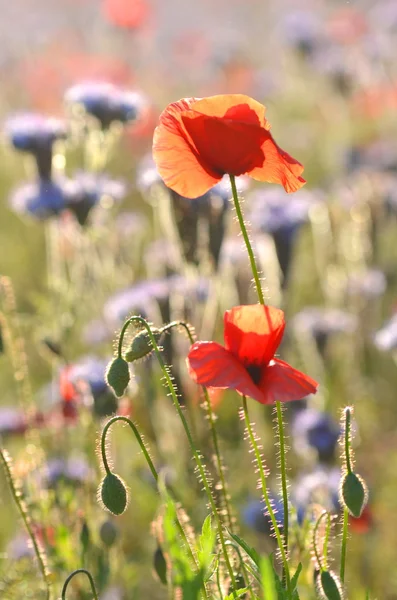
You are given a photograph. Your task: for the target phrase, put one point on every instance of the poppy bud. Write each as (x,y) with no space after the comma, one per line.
(118,375)
(113,493)
(160,565)
(329,586)
(108,533)
(141,345)
(353,493)
(85,536)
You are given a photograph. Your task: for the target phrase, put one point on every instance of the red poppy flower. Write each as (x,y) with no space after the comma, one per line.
(128,14)
(247,363)
(200,140)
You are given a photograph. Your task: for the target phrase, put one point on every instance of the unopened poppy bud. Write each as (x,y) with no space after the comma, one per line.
(108,533)
(329,586)
(85,536)
(118,375)
(160,565)
(141,345)
(353,493)
(113,493)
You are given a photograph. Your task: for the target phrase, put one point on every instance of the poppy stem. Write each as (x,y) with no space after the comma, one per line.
(262,475)
(212,418)
(152,469)
(197,458)
(344,545)
(23,511)
(90,578)
(283,468)
(247,241)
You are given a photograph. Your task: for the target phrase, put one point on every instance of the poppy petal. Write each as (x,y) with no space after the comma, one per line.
(237,107)
(176,158)
(228,146)
(211,365)
(278,167)
(281,382)
(253,333)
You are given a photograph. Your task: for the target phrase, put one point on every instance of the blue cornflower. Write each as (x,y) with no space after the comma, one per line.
(314,429)
(106,102)
(36,134)
(41,199)
(88,377)
(255,514)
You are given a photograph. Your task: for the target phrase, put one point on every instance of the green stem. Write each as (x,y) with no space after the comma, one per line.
(248,245)
(152,469)
(344,545)
(283,466)
(269,507)
(261,299)
(6,460)
(347,439)
(67,581)
(214,434)
(320,562)
(199,463)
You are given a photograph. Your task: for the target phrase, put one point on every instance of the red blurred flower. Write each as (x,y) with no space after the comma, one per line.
(363,523)
(247,363)
(129,14)
(199,140)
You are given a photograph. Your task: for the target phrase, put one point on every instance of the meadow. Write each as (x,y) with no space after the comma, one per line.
(198,325)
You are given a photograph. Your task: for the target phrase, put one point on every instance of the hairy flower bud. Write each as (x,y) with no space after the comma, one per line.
(118,375)
(141,345)
(108,533)
(113,493)
(353,494)
(329,586)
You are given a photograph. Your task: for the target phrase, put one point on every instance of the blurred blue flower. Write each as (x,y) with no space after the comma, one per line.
(106,102)
(302,30)
(320,486)
(12,421)
(42,199)
(276,213)
(35,133)
(314,429)
(255,514)
(74,470)
(86,190)
(367,284)
(386,338)
(322,322)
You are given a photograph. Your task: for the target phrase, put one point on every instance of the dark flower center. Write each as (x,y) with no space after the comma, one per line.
(254,371)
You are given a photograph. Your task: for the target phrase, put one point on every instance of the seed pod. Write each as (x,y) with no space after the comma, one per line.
(160,565)
(141,345)
(353,493)
(108,533)
(113,493)
(329,586)
(118,375)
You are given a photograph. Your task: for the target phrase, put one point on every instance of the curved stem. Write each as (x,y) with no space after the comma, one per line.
(138,439)
(269,507)
(199,463)
(344,545)
(152,469)
(248,245)
(67,581)
(283,466)
(16,494)
(325,547)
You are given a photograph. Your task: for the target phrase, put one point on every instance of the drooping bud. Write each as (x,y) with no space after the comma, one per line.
(118,375)
(160,565)
(113,493)
(141,345)
(85,536)
(353,493)
(329,586)
(108,533)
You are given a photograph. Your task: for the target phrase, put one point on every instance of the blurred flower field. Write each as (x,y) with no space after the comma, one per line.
(127,284)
